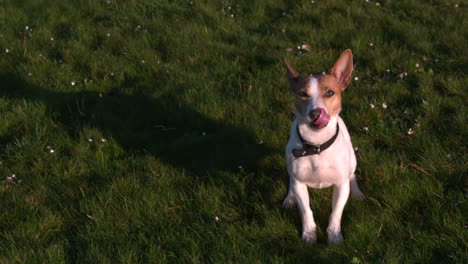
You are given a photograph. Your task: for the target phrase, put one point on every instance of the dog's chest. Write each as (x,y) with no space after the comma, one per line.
(316,171)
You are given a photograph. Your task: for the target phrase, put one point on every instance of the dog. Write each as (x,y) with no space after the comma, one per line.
(319,153)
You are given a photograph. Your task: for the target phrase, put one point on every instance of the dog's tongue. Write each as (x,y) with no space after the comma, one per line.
(322,120)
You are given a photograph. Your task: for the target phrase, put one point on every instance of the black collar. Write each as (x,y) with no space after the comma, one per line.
(310,149)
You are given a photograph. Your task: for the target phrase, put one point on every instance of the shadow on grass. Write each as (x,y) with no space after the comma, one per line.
(163,127)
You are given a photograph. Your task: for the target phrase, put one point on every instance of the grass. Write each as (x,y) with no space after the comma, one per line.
(133,130)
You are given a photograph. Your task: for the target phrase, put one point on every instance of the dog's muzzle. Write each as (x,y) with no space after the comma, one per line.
(319,118)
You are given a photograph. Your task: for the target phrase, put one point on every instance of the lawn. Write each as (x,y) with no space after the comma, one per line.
(153,131)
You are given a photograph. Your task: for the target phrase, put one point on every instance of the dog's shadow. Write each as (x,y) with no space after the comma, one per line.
(164,127)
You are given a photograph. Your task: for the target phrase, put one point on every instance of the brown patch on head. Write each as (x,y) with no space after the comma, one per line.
(296,81)
(302,95)
(329,85)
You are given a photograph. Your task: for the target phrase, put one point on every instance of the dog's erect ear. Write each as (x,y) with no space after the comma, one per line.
(294,77)
(292,73)
(343,68)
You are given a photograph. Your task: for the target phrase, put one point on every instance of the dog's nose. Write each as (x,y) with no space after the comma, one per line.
(314,114)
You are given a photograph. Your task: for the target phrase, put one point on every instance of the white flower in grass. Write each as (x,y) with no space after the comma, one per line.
(371,44)
(377,4)
(384,106)
(417,65)
(29,74)
(356,149)
(90,140)
(388,70)
(103,140)
(7,50)
(51,150)
(143,61)
(52,39)
(13,176)
(73,83)
(232,15)
(312,1)
(410,131)
(365,129)
(424,102)
(108,34)
(26,28)
(305,46)
(216,219)
(456,5)
(372,106)
(323,73)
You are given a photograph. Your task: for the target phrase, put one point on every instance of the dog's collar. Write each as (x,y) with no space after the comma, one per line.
(311,149)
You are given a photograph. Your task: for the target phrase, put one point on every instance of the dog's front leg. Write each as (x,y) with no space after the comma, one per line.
(340,197)
(301,193)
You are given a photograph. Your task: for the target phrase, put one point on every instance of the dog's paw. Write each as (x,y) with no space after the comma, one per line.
(358,195)
(335,238)
(309,237)
(289,203)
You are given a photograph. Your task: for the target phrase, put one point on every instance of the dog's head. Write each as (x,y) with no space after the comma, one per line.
(318,97)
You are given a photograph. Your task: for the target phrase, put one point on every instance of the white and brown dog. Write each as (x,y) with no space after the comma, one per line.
(319,153)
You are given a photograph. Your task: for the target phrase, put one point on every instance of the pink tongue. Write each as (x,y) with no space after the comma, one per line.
(323,119)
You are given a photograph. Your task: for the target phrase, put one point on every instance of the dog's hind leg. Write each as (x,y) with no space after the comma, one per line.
(290,200)
(355,191)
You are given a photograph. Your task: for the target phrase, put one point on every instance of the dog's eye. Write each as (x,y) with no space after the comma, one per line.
(303,94)
(330,93)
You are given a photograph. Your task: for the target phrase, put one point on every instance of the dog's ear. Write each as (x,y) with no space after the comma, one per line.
(294,77)
(343,68)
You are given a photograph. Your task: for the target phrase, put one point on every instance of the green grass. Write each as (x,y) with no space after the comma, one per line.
(170,98)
